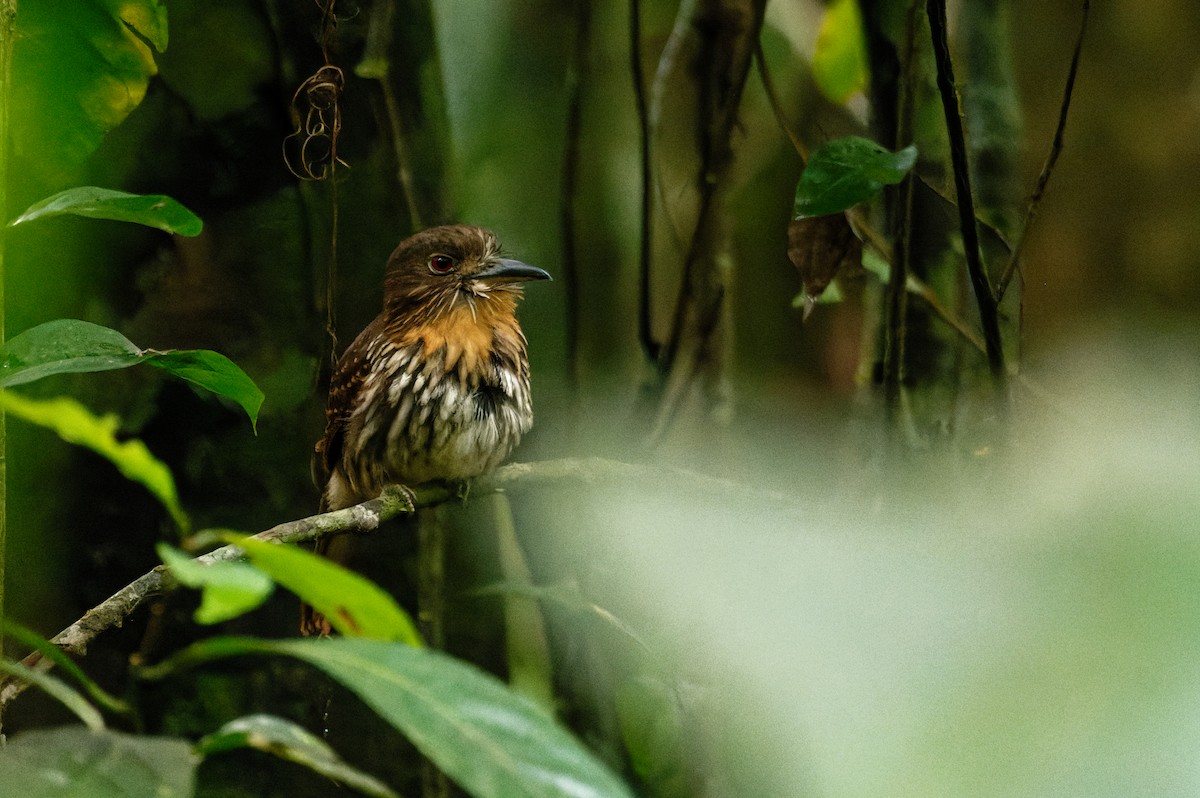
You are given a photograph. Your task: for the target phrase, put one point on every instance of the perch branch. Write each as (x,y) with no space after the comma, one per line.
(1056,146)
(985,299)
(369,515)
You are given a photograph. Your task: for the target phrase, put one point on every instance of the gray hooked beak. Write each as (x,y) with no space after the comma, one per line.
(506,270)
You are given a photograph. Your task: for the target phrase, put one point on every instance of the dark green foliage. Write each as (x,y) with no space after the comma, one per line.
(847,171)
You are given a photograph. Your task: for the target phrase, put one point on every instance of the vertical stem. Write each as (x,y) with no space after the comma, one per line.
(984,298)
(431,614)
(530,666)
(8,15)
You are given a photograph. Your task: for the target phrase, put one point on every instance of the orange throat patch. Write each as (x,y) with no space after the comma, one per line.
(468,331)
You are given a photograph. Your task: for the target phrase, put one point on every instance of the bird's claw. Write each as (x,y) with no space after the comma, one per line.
(405,493)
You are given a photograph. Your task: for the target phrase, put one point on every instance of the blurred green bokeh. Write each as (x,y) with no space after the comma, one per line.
(1000,622)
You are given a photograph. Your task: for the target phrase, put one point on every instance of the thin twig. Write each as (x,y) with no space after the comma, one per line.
(1056,146)
(764,74)
(645,319)
(985,299)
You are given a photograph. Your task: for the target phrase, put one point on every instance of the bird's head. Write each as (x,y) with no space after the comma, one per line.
(443,268)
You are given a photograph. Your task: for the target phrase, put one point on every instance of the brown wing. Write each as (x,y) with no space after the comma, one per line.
(344,386)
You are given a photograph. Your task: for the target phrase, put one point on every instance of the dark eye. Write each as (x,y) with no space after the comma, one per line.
(441,264)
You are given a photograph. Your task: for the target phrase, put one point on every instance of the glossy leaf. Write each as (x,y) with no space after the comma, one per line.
(74,423)
(70,345)
(151,210)
(839,63)
(64,346)
(847,171)
(229,589)
(490,741)
(213,372)
(79,70)
(292,742)
(73,762)
(354,605)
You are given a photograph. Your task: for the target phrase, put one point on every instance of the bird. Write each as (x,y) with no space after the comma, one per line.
(436,387)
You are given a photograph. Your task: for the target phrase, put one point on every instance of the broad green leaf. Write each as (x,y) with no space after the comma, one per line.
(69,345)
(79,69)
(57,689)
(354,605)
(211,371)
(287,740)
(74,423)
(839,64)
(62,346)
(490,741)
(229,589)
(151,210)
(73,762)
(847,171)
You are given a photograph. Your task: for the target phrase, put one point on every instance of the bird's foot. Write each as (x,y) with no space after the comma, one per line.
(461,488)
(404,492)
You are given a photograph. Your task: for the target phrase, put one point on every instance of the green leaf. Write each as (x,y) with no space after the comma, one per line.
(56,688)
(64,346)
(69,346)
(489,740)
(847,171)
(74,423)
(79,69)
(211,371)
(73,762)
(151,210)
(354,605)
(287,740)
(229,589)
(839,64)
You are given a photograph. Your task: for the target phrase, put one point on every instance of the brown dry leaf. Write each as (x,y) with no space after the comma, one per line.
(820,247)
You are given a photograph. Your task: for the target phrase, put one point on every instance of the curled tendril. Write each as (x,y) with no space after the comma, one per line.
(310,151)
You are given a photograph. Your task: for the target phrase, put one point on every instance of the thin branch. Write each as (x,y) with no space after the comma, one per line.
(764,74)
(394,503)
(1056,146)
(985,299)
(645,322)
